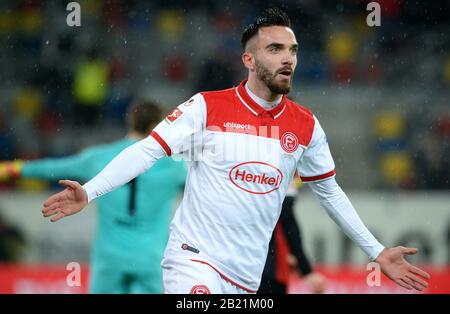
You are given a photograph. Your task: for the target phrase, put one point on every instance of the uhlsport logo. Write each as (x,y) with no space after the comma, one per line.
(234,125)
(264,180)
(289,142)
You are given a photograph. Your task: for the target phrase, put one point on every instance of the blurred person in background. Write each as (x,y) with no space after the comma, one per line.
(132,224)
(90,89)
(11,242)
(287,254)
(432,162)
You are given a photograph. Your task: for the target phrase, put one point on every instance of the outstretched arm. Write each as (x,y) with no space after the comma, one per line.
(78,166)
(172,135)
(391,260)
(130,163)
(316,167)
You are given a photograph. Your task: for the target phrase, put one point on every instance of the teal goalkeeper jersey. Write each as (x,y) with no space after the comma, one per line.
(132,221)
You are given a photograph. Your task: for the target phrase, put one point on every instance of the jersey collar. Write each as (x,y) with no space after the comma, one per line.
(254,107)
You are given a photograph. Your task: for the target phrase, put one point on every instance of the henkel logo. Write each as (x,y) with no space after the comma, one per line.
(289,142)
(267,178)
(175,114)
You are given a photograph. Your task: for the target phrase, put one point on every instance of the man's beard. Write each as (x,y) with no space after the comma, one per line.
(269,79)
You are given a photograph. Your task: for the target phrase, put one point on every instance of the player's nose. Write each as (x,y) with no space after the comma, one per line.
(288,60)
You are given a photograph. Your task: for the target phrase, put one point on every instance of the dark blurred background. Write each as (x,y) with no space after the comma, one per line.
(391,82)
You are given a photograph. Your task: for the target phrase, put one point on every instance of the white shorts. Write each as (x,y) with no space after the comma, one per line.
(182,275)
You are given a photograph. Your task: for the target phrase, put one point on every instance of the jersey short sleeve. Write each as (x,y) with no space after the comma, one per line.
(316,163)
(176,131)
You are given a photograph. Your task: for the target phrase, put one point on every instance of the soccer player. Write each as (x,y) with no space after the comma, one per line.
(286,253)
(245,144)
(133,221)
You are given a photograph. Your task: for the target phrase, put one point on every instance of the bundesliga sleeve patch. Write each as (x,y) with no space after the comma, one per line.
(174,115)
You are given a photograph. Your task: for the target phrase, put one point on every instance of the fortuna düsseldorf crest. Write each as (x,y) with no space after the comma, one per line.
(289,142)
(200,289)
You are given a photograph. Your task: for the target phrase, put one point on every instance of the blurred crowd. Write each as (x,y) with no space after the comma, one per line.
(413,153)
(61,85)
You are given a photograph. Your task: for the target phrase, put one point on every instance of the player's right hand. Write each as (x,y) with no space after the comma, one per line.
(10,170)
(68,202)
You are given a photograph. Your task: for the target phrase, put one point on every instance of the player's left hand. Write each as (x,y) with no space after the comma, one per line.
(394,266)
(292,262)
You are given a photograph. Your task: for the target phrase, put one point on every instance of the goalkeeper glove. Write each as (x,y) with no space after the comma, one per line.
(10,170)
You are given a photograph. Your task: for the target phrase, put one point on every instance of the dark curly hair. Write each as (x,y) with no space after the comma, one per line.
(270,17)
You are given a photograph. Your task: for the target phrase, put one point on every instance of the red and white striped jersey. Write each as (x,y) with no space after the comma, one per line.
(242,159)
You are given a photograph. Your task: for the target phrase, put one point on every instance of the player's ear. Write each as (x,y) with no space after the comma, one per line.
(248,60)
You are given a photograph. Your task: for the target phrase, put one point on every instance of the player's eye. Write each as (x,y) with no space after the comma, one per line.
(274,49)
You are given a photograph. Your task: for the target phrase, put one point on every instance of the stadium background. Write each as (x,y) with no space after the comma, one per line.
(381,94)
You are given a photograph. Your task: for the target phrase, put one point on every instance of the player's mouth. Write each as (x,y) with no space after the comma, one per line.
(285,74)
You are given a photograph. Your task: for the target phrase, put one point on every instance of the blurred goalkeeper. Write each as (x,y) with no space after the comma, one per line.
(132,224)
